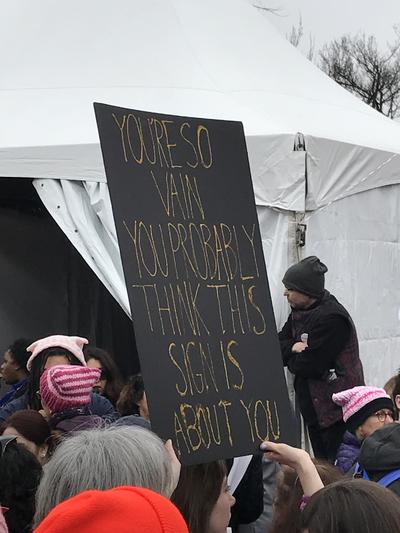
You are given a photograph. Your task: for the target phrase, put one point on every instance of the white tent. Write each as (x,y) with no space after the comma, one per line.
(217,59)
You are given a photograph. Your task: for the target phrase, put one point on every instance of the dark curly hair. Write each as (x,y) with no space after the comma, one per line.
(20,474)
(109,371)
(18,352)
(131,394)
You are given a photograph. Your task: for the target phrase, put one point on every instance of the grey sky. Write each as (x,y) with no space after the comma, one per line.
(327,20)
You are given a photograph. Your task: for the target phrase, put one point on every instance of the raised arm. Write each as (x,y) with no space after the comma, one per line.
(299,460)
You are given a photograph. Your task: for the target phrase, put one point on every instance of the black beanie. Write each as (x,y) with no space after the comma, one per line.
(307,276)
(367,410)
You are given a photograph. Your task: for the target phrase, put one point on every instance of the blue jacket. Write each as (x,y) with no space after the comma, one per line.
(99,406)
(7,398)
(348,452)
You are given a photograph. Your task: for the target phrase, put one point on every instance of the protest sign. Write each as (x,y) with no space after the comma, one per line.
(190,244)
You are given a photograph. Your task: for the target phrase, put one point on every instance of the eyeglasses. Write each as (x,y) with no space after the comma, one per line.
(4,442)
(382,415)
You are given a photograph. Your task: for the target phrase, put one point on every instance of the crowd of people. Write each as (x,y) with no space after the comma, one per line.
(78,452)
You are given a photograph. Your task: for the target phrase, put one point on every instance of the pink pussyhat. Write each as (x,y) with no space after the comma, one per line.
(359,403)
(65,386)
(3,523)
(72,344)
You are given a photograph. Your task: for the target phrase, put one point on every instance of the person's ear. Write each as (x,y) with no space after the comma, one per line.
(360,433)
(43,451)
(397,401)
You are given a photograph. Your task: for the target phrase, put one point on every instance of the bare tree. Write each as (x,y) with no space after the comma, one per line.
(311,47)
(275,10)
(296,35)
(359,66)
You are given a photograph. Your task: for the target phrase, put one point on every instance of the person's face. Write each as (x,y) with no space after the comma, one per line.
(298,300)
(55,360)
(372,423)
(221,513)
(40,452)
(99,386)
(143,407)
(9,369)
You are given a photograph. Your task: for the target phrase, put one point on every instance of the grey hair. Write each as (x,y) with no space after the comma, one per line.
(102,459)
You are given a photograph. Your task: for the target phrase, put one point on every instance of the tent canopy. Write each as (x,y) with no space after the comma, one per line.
(210,59)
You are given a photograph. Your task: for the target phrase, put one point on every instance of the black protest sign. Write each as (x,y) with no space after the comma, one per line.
(188,232)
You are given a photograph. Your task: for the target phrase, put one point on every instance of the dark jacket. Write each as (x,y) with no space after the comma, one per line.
(13,392)
(99,406)
(75,419)
(380,454)
(332,344)
(249,494)
(133,420)
(348,452)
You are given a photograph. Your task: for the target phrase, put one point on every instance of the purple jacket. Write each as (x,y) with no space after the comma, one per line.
(75,419)
(348,452)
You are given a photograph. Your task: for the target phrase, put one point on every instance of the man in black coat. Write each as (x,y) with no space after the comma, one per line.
(319,346)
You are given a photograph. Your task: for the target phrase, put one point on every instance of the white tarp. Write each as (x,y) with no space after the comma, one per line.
(359,239)
(217,59)
(83,211)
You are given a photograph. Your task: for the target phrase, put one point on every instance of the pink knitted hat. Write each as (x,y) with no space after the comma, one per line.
(361,402)
(72,344)
(66,386)
(3,524)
